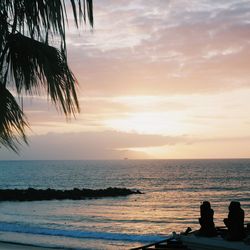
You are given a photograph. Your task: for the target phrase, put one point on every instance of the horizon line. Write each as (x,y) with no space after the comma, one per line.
(131,159)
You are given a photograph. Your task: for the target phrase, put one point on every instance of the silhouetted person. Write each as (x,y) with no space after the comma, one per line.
(235,221)
(207,220)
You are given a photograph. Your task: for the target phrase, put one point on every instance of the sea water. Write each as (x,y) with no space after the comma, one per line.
(172,193)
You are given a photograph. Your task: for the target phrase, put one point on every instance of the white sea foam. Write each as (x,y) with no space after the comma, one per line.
(17,228)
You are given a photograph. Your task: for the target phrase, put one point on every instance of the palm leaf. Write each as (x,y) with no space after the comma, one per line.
(12,120)
(30,64)
(37,17)
(35,65)
(90,11)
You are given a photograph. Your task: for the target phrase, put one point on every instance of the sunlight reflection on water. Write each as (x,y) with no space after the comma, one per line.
(173,190)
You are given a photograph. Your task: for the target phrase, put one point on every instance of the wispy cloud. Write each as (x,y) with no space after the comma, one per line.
(170,46)
(175,69)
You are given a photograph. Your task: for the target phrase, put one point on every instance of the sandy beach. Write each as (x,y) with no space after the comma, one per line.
(13,246)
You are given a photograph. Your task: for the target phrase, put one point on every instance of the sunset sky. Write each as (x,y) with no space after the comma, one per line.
(157,79)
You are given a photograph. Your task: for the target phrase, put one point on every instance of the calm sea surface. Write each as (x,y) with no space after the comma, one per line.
(173,190)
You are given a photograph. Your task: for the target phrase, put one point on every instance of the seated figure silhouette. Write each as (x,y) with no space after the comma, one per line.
(235,222)
(207,220)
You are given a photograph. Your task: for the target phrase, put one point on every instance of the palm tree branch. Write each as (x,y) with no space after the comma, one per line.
(42,15)
(12,120)
(35,65)
(29,63)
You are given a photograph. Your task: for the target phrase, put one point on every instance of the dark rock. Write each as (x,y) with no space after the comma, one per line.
(32,194)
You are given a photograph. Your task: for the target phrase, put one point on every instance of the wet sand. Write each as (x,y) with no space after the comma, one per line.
(13,246)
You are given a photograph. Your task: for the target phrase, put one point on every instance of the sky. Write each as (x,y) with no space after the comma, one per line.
(157,80)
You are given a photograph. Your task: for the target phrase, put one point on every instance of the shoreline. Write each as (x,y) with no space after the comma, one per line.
(7,245)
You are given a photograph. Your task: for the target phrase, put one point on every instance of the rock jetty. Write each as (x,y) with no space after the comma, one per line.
(32,194)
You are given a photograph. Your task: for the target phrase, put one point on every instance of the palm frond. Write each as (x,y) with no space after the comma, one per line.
(38,17)
(3,31)
(29,63)
(3,26)
(35,65)
(90,11)
(12,120)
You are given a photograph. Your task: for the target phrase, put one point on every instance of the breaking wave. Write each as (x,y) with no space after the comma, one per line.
(18,228)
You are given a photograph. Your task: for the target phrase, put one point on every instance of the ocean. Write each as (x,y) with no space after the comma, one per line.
(172,193)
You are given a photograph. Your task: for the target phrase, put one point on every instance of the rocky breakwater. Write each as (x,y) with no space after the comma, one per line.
(32,194)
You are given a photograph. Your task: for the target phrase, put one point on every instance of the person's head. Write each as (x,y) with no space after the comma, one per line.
(206,204)
(234,205)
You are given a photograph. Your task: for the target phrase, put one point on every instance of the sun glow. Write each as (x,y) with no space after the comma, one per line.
(162,123)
